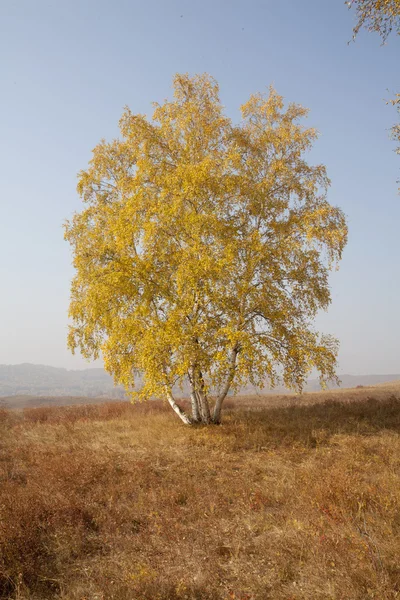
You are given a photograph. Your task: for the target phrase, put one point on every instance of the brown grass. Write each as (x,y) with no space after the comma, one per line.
(290,499)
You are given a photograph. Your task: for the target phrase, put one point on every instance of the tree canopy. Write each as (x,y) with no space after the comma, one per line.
(395,130)
(203,250)
(381,16)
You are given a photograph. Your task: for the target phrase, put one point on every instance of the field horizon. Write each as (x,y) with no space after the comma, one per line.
(31,385)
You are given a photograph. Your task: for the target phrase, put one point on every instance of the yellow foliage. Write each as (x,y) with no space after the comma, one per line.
(204,247)
(381,16)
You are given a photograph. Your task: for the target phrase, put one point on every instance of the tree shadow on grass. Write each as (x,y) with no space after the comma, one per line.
(313,425)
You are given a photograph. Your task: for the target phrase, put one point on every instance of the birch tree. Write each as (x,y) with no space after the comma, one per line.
(203,250)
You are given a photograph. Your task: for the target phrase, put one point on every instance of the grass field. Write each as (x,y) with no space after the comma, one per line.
(290,499)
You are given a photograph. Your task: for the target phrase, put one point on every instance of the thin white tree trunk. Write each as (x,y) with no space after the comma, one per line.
(203,400)
(225,390)
(195,408)
(193,398)
(181,413)
(199,397)
(204,407)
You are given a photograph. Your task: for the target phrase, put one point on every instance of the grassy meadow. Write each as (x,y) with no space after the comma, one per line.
(290,499)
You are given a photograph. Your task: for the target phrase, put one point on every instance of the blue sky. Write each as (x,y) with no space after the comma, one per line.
(69,67)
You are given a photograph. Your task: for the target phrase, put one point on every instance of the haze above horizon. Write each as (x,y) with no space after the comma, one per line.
(69,70)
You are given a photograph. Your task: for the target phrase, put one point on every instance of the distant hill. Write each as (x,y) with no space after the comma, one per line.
(347,381)
(351,381)
(41,380)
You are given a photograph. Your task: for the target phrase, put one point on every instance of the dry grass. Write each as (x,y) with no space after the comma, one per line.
(288,500)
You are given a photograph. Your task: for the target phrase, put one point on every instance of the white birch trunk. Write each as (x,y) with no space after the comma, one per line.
(193,398)
(181,413)
(200,405)
(225,390)
(203,400)
(204,407)
(195,408)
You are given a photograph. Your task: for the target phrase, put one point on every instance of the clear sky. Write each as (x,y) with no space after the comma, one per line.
(68,67)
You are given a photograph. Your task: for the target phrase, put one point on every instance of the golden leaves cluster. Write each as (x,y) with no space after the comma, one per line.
(199,237)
